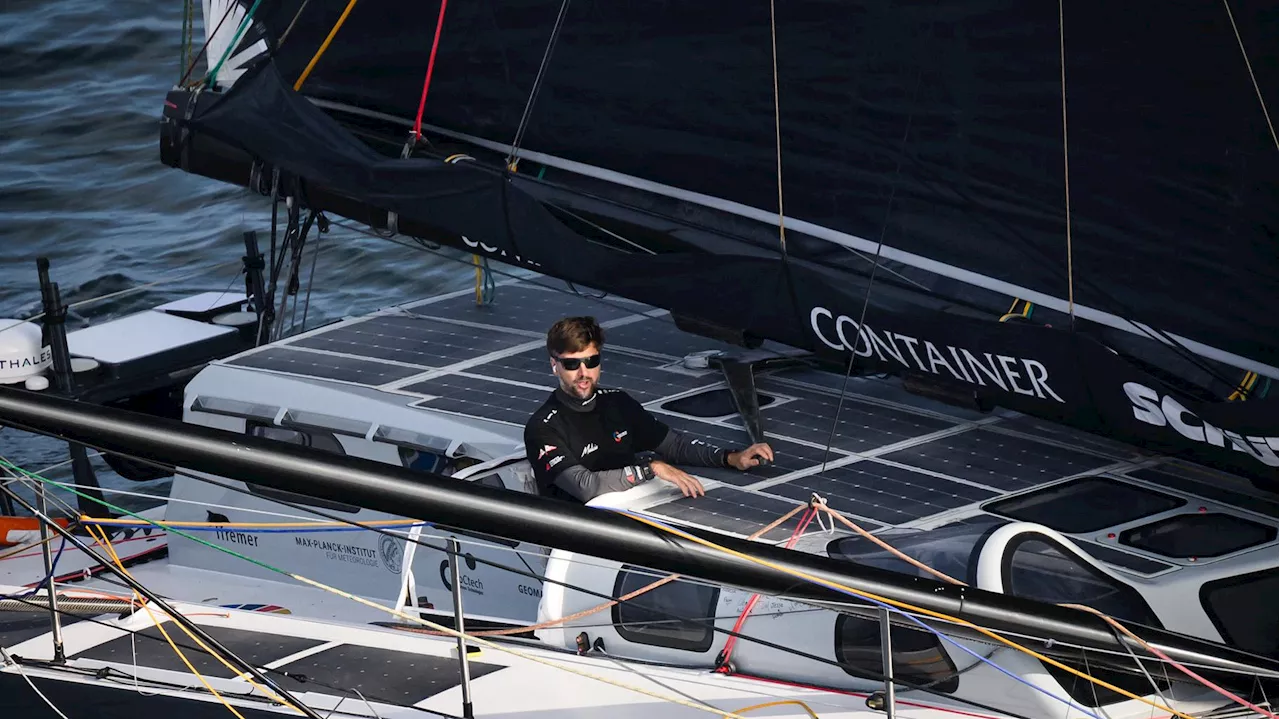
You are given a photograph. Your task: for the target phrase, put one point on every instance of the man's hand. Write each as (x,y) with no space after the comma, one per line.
(751,456)
(688,485)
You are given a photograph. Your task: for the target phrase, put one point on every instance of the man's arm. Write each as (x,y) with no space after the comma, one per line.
(679,448)
(586,485)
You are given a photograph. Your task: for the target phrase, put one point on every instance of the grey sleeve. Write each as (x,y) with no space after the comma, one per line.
(677,448)
(586,485)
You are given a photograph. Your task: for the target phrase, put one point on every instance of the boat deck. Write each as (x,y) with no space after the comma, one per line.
(879,455)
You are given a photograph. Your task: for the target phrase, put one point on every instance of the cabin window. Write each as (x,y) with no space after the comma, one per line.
(918,657)
(325,441)
(667,616)
(1036,568)
(1243,609)
(434,462)
(1085,505)
(1198,535)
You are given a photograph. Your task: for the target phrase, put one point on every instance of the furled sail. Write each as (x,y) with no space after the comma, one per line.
(930,136)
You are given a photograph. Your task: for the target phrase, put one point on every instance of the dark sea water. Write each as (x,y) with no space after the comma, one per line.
(81,87)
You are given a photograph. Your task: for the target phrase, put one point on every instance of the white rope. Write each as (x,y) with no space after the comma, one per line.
(34,688)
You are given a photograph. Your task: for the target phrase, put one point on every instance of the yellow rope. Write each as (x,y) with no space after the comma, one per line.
(449,631)
(106,542)
(475,260)
(782,702)
(323,46)
(908,607)
(165,634)
(777,126)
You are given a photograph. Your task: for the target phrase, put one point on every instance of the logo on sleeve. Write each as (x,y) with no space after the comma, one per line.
(617,436)
(546,449)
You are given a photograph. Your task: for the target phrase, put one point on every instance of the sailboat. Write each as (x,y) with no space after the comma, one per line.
(955,479)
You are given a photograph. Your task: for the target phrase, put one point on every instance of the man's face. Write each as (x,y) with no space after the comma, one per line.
(580,381)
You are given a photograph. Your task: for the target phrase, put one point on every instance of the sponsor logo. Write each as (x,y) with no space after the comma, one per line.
(391,552)
(550,414)
(546,449)
(554,461)
(469,583)
(529,591)
(244,538)
(589,449)
(27,364)
(491,250)
(338,552)
(617,436)
(1158,410)
(1011,374)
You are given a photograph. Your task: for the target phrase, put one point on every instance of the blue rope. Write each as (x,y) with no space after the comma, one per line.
(53,569)
(924,626)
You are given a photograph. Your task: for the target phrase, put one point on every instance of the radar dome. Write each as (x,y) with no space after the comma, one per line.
(22,353)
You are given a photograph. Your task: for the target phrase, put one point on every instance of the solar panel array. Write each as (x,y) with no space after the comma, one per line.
(890,459)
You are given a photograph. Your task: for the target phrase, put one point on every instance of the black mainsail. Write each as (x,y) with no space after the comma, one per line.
(935,127)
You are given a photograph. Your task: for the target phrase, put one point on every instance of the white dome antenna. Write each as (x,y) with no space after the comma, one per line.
(22,353)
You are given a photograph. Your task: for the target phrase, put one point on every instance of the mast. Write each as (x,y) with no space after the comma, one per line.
(554,523)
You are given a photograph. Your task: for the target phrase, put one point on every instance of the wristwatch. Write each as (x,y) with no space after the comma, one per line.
(646,470)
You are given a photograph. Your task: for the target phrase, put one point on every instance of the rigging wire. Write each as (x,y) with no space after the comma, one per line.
(433,625)
(205,46)
(866,300)
(1066,173)
(711,624)
(513,157)
(777,127)
(1249,66)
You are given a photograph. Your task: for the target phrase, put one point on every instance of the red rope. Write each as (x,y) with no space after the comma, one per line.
(417,124)
(723,659)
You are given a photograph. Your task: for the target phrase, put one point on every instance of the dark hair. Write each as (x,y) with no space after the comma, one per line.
(574,334)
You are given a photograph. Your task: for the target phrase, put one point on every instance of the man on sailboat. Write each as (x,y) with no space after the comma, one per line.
(584,439)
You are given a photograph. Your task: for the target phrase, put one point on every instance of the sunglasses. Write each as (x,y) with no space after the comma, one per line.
(572,363)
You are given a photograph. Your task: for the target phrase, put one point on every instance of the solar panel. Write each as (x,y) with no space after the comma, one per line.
(788,456)
(889,391)
(1210,488)
(529,308)
(660,334)
(882,492)
(862,427)
(731,510)
(1059,433)
(413,340)
(997,460)
(324,366)
(481,398)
